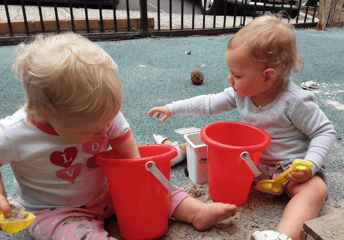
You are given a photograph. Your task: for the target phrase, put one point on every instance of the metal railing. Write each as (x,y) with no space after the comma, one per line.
(104,20)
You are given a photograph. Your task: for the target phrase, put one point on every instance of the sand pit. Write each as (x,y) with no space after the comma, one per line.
(260,212)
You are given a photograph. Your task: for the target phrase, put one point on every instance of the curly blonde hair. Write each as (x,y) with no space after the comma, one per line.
(67,76)
(271,42)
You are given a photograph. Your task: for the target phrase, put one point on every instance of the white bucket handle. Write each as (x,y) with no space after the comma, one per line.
(151,167)
(246,157)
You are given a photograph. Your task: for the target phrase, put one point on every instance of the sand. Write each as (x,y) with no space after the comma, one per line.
(17,214)
(260,212)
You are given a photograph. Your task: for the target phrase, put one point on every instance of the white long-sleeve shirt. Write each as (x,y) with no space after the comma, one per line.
(297,126)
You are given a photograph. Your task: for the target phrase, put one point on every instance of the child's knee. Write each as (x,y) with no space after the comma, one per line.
(315,185)
(321,187)
(60,226)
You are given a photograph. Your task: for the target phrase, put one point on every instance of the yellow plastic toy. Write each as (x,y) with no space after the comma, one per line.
(274,186)
(14,227)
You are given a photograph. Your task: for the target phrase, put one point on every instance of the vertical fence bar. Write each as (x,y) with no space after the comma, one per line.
(315,9)
(24,16)
(204,2)
(290,10)
(214,20)
(245,12)
(193,14)
(235,12)
(101,16)
(298,12)
(254,9)
(306,14)
(56,17)
(158,15)
(71,15)
(144,18)
(128,15)
(8,18)
(182,15)
(170,10)
(225,15)
(282,6)
(40,15)
(264,7)
(273,6)
(86,16)
(114,7)
(288,13)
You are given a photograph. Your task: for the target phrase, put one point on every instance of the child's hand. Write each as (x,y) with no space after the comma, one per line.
(160,110)
(5,206)
(299,177)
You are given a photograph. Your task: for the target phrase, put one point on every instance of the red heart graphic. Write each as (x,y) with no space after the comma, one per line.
(64,159)
(70,174)
(94,146)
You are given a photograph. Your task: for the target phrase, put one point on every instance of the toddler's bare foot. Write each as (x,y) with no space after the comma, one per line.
(213,213)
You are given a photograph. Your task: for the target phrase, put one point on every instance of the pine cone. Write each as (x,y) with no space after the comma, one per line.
(197,77)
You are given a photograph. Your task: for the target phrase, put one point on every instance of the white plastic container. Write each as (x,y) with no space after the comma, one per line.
(196,158)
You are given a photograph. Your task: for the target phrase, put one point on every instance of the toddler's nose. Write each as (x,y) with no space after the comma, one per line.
(229,78)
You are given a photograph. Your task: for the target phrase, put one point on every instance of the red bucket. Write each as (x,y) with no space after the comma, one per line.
(229,177)
(141,202)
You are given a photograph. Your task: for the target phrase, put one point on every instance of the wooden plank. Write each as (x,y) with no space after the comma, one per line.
(327,227)
(303,235)
(335,15)
(309,238)
(324,11)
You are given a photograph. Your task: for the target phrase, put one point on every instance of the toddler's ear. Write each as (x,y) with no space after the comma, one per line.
(270,76)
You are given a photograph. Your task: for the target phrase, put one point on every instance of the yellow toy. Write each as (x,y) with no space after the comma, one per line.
(274,186)
(14,227)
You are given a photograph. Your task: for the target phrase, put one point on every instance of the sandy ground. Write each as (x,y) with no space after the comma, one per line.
(260,212)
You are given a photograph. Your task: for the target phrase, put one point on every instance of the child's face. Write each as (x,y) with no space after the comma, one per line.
(79,131)
(246,74)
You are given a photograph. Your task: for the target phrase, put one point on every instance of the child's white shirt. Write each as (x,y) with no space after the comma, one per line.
(50,172)
(297,126)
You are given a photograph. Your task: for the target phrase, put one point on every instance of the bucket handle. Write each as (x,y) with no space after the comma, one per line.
(151,167)
(246,157)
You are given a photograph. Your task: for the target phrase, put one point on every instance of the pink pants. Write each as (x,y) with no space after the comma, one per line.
(84,223)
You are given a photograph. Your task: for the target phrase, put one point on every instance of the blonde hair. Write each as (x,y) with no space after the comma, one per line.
(67,76)
(271,42)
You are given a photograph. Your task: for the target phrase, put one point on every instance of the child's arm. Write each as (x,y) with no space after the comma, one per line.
(311,120)
(126,148)
(200,105)
(4,205)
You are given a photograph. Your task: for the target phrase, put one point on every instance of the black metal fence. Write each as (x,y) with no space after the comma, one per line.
(103,20)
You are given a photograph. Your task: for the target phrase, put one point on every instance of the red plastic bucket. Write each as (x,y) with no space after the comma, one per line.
(141,202)
(229,177)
